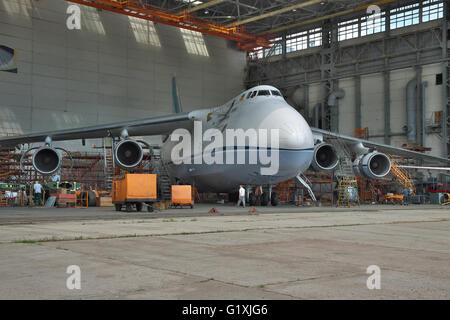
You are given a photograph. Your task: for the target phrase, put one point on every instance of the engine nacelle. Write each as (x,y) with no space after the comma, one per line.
(47,160)
(128,154)
(373,165)
(325,158)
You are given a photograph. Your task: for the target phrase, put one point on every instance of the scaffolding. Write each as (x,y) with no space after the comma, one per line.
(321,183)
(347,192)
(402,175)
(89,167)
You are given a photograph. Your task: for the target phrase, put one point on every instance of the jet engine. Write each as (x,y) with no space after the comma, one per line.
(373,165)
(325,157)
(128,154)
(47,160)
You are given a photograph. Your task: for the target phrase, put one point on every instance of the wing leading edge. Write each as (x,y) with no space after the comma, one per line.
(382,147)
(145,127)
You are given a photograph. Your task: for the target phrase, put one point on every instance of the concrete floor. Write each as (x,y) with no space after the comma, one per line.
(296,253)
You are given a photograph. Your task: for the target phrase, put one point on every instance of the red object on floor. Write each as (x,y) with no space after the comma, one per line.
(253,210)
(213,210)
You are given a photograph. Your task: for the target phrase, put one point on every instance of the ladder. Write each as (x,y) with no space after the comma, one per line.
(304,182)
(347,192)
(109,166)
(3,202)
(367,191)
(345,167)
(403,176)
(163,177)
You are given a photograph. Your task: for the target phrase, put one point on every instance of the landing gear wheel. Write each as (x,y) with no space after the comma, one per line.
(150,208)
(138,207)
(265,199)
(274,199)
(118,207)
(129,207)
(252,200)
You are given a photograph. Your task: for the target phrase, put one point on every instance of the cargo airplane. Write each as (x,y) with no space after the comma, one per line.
(263,107)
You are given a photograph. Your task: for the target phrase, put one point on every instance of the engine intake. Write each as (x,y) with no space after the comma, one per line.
(128,154)
(47,160)
(373,165)
(325,157)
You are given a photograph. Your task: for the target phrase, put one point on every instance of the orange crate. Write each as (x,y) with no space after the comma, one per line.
(134,188)
(182,196)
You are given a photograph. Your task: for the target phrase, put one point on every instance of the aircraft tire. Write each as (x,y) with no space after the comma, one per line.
(252,200)
(264,199)
(274,200)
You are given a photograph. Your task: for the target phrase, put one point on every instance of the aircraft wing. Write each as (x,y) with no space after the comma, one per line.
(382,147)
(144,127)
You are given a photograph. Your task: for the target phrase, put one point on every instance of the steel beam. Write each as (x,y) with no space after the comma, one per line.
(273,13)
(387,107)
(201,6)
(358,102)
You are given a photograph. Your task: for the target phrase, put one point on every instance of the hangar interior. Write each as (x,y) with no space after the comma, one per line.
(376,70)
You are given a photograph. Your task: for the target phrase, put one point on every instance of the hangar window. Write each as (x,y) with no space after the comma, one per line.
(144,31)
(297,41)
(348,29)
(373,24)
(405,16)
(432,10)
(263,93)
(91,19)
(194,42)
(276,48)
(315,37)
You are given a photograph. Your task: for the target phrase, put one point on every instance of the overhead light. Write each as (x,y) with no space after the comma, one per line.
(195,3)
(206,11)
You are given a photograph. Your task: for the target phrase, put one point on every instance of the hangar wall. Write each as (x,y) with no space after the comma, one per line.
(372,104)
(115,68)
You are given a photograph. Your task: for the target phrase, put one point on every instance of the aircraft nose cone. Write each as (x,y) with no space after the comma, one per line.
(294,131)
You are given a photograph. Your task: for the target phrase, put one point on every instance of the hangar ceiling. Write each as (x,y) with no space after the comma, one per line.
(251,23)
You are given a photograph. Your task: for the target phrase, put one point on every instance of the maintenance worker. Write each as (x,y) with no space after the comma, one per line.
(37,187)
(241,196)
(405,196)
(378,195)
(56,178)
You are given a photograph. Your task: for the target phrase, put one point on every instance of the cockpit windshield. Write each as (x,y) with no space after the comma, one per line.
(263,93)
(276,93)
(253,94)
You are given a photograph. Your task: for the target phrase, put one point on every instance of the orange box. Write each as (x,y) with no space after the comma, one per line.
(182,195)
(134,188)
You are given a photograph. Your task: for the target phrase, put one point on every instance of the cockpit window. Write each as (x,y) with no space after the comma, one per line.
(276,93)
(249,94)
(263,93)
(254,94)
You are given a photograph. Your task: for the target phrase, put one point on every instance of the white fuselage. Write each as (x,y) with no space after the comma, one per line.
(263,111)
